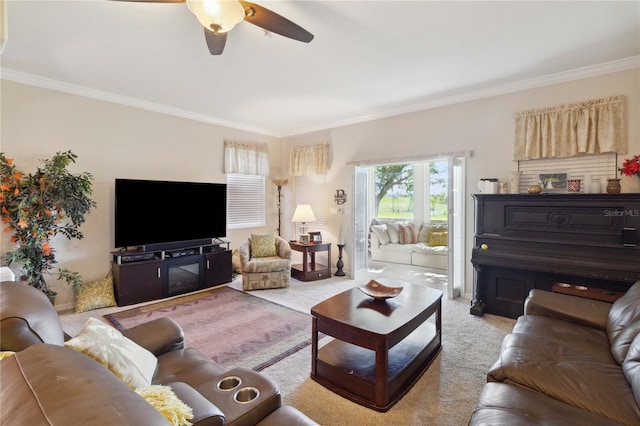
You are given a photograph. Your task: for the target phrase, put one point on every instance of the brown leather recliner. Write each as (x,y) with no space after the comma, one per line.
(47,383)
(569,360)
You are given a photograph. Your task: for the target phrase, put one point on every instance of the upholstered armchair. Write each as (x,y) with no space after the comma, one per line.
(266,262)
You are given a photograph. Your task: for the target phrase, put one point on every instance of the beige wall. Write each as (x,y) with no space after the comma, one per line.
(113,141)
(117,141)
(483,126)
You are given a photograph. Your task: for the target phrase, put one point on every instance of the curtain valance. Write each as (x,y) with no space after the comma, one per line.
(246,159)
(309,160)
(590,127)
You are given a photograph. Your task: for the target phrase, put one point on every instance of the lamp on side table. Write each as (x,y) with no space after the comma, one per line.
(302,215)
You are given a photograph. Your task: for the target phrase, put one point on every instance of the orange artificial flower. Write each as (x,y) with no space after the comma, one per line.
(46,249)
(5,187)
(17,175)
(22,223)
(14,239)
(9,161)
(47,212)
(4,210)
(16,192)
(8,229)
(5,219)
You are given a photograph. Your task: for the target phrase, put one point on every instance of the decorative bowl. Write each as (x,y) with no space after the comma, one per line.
(379,291)
(534,189)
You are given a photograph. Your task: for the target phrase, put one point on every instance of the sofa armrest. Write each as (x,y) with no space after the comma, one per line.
(245,252)
(204,411)
(580,310)
(284,248)
(159,336)
(374,240)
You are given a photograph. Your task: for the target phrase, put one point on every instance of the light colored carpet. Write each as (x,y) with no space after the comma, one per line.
(445,395)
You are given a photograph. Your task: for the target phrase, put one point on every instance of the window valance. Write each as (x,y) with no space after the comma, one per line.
(246,159)
(590,127)
(309,160)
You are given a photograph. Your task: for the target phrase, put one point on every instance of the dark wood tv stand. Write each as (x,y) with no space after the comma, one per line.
(142,276)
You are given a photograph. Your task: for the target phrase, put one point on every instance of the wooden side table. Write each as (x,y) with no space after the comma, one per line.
(309,270)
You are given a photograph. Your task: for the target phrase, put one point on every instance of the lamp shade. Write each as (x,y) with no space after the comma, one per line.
(218,16)
(303,214)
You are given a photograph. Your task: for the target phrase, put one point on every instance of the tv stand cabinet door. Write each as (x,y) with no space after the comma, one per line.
(137,282)
(217,268)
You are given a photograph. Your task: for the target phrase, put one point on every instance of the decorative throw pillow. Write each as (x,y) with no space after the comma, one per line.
(438,238)
(163,399)
(263,245)
(5,354)
(407,234)
(130,362)
(392,229)
(423,236)
(381,233)
(236,262)
(95,295)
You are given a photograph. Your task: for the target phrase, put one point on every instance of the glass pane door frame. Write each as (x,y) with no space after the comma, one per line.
(358,249)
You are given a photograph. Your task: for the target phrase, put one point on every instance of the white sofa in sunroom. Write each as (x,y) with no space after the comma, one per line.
(410,243)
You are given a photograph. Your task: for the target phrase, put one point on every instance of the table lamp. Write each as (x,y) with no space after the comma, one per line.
(302,215)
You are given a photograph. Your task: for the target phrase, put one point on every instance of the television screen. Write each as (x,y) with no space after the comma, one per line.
(151,212)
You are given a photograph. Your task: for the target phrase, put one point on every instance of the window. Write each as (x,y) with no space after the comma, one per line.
(307,193)
(437,177)
(394,191)
(245,201)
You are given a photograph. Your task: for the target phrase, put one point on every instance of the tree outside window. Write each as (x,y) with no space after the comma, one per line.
(438,203)
(394,191)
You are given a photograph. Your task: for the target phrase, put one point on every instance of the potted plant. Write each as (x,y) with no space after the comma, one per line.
(35,208)
(630,172)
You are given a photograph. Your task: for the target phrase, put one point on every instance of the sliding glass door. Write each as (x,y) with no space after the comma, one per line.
(359,250)
(445,176)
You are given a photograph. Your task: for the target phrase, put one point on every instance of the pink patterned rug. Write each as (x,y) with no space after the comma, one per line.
(233,328)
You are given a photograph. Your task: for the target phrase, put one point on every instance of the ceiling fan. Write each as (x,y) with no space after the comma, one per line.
(219,16)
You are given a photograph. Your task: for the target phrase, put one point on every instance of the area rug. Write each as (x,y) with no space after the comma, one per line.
(231,327)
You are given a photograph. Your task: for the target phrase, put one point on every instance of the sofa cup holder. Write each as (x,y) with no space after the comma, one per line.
(229,383)
(246,395)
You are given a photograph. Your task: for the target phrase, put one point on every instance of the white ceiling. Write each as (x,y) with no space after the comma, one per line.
(369,59)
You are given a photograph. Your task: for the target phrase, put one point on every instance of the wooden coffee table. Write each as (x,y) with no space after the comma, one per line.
(380,348)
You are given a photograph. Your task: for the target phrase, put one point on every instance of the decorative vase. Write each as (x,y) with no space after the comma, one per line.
(588,180)
(613,186)
(514,182)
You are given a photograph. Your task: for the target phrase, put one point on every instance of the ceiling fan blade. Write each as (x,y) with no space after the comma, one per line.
(271,21)
(215,42)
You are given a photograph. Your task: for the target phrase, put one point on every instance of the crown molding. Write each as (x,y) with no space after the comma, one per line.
(412,106)
(46,83)
(472,95)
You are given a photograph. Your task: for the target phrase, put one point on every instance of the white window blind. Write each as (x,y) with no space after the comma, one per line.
(598,166)
(312,190)
(245,201)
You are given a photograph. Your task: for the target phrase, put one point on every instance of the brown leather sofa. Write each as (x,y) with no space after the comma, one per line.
(568,361)
(46,383)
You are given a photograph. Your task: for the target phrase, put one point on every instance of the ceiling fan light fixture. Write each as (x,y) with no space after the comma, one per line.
(218,16)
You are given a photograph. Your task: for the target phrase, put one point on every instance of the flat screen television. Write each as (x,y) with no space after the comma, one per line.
(154,212)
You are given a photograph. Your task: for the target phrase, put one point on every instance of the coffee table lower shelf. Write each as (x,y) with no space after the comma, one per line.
(350,370)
